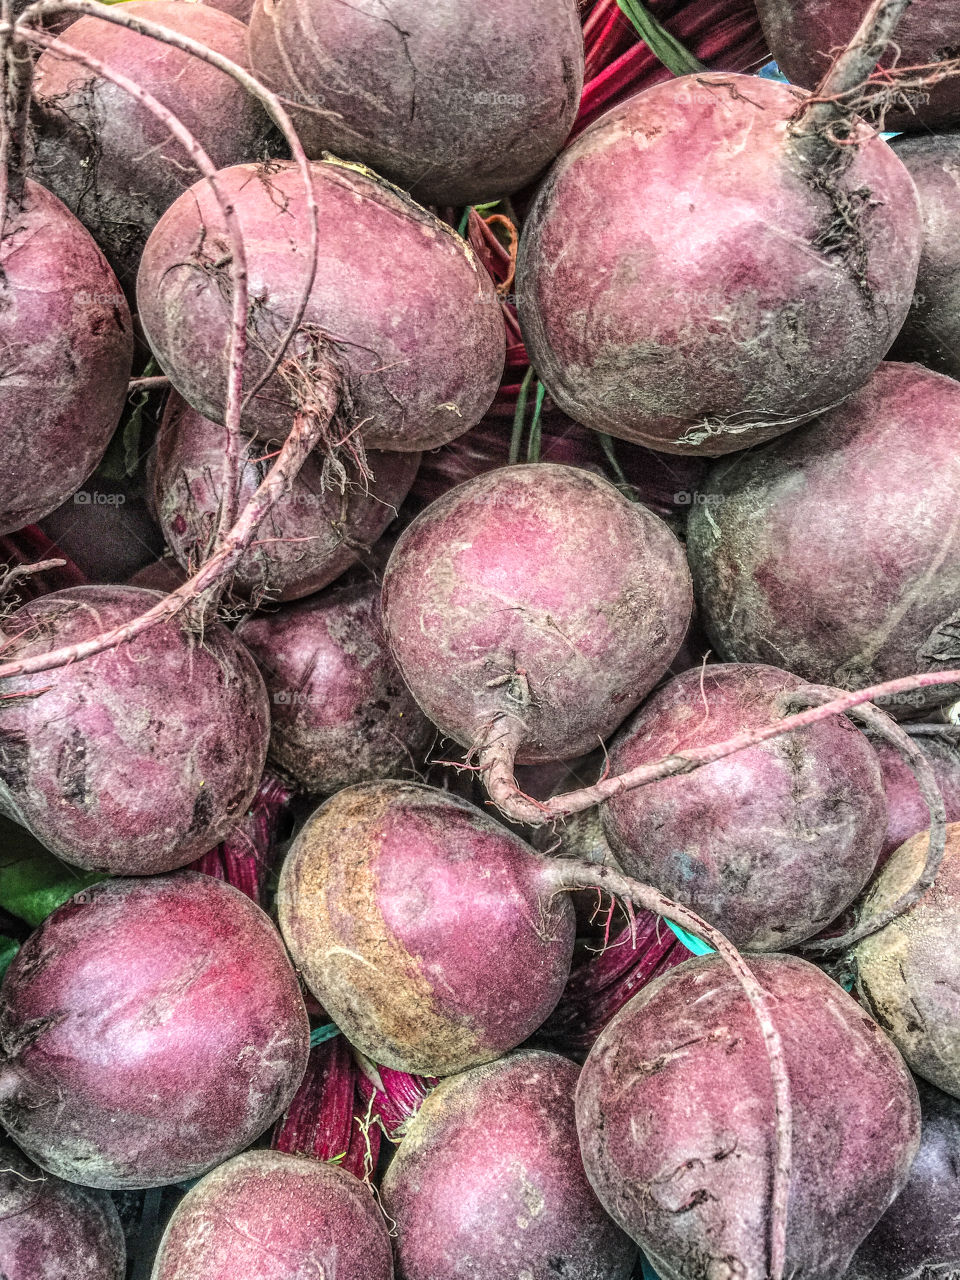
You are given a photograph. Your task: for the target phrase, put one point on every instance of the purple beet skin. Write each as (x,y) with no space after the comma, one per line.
(52,1230)
(919,1235)
(685,281)
(907,811)
(311,536)
(139,759)
(833,552)
(269,1216)
(149,1030)
(67,339)
(340,711)
(770,844)
(488,1181)
(400,304)
(539,593)
(423,927)
(105,155)
(676,1122)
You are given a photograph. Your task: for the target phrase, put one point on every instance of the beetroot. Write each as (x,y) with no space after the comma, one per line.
(313,534)
(874,594)
(488,1181)
(423,927)
(908,974)
(686,280)
(137,760)
(675,1115)
(931,333)
(456,100)
(105,155)
(907,811)
(340,712)
(149,1030)
(920,1229)
(399,303)
(803,35)
(51,1230)
(269,1216)
(770,844)
(66,333)
(536,597)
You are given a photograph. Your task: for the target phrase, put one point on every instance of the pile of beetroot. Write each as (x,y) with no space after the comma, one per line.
(479,640)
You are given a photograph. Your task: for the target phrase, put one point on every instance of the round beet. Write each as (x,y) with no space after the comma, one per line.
(920,1230)
(423,927)
(314,532)
(399,303)
(907,811)
(105,155)
(538,593)
(458,101)
(67,339)
(340,711)
(770,844)
(269,1216)
(834,552)
(488,1181)
(931,333)
(52,1230)
(676,1121)
(137,760)
(149,1030)
(685,280)
(908,973)
(804,35)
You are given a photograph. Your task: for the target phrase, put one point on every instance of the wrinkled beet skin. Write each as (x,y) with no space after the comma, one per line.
(669,289)
(542,569)
(907,811)
(931,333)
(155,1027)
(270,1216)
(458,101)
(411,316)
(908,974)
(52,1230)
(340,711)
(422,927)
(920,1229)
(488,1181)
(770,844)
(675,1115)
(834,552)
(802,35)
(65,328)
(106,156)
(137,760)
(309,538)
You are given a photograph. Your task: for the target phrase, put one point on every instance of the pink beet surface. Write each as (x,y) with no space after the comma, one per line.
(149,1030)
(53,1230)
(833,552)
(423,927)
(488,1181)
(399,303)
(770,844)
(907,811)
(137,760)
(270,1216)
(682,282)
(340,711)
(540,593)
(312,535)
